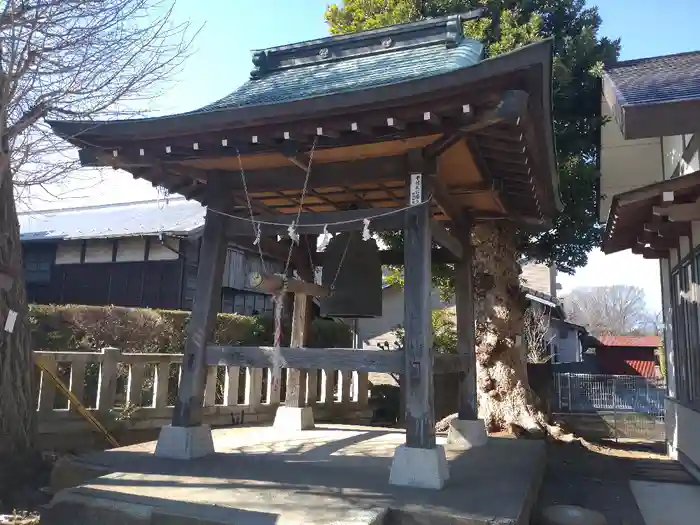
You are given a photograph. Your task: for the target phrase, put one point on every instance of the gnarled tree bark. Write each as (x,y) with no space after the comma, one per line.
(504,396)
(17,400)
(505,400)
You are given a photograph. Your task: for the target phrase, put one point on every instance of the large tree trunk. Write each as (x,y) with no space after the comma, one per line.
(504,396)
(17,404)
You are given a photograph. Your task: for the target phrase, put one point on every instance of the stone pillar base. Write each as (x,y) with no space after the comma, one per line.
(464,434)
(184,442)
(294,418)
(424,468)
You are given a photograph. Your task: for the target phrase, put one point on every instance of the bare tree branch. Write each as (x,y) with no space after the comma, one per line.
(610,310)
(90,59)
(536,334)
(83,59)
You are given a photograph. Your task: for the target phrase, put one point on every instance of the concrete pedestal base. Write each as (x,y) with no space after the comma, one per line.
(424,468)
(184,442)
(294,418)
(464,434)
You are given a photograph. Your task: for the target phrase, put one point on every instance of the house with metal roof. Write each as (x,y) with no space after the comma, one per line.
(650,177)
(137,254)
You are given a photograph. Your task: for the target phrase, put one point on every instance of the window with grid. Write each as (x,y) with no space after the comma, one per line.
(246,303)
(37,264)
(687,331)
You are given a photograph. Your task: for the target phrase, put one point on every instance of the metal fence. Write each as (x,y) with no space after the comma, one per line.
(619,406)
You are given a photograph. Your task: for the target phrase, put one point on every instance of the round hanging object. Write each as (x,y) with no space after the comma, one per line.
(352,270)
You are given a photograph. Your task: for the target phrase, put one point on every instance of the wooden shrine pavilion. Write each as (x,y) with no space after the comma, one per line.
(408,127)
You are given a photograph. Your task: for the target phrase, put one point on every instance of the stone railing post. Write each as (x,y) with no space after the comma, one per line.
(328,386)
(107,385)
(77,378)
(253,387)
(162,379)
(210,386)
(231,385)
(345,393)
(362,388)
(312,387)
(137,372)
(47,394)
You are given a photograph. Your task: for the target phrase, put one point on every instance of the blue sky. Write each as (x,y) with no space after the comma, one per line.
(221,61)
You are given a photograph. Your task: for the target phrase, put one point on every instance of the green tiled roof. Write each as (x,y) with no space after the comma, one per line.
(363,72)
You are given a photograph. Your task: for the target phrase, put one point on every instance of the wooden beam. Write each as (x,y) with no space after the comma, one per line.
(396,257)
(395,123)
(511,108)
(207,299)
(445,239)
(466,337)
(671,230)
(301,325)
(424,162)
(418,375)
(679,212)
(315,222)
(273,284)
(650,253)
(657,243)
(348,359)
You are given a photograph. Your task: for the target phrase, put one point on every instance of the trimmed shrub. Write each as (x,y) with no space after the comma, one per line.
(71,328)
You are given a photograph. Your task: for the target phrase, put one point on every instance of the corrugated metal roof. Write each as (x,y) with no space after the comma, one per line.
(627,361)
(176,216)
(643,341)
(352,74)
(657,79)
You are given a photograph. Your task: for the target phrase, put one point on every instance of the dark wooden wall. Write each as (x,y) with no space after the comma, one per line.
(167,284)
(154,284)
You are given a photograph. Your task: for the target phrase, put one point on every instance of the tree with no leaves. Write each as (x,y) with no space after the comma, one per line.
(536,334)
(611,310)
(81,59)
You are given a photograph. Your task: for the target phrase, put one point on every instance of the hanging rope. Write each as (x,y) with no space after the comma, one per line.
(326,224)
(293,233)
(256,226)
(277,360)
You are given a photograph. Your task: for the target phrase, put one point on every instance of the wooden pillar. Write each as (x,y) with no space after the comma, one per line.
(301,324)
(420,411)
(466,341)
(188,406)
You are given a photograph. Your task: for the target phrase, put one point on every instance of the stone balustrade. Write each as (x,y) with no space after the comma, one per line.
(137,390)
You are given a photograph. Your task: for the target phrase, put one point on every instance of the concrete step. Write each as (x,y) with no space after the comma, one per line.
(86,506)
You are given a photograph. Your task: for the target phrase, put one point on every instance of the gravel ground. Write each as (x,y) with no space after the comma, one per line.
(597,476)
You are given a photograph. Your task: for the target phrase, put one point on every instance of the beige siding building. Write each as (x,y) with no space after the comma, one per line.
(379,331)
(650,167)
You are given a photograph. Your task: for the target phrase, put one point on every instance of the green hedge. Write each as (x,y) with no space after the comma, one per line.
(70,328)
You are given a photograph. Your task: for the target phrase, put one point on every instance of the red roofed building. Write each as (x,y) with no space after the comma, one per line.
(628,355)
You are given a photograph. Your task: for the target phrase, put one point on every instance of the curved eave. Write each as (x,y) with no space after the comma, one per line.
(528,68)
(527,57)
(643,219)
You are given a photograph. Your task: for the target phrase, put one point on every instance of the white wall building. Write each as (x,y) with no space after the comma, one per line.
(650,167)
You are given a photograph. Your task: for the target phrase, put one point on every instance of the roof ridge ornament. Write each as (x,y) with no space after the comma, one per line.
(259,63)
(446,30)
(455,32)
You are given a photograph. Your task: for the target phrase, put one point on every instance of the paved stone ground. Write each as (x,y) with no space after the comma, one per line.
(599,477)
(323,476)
